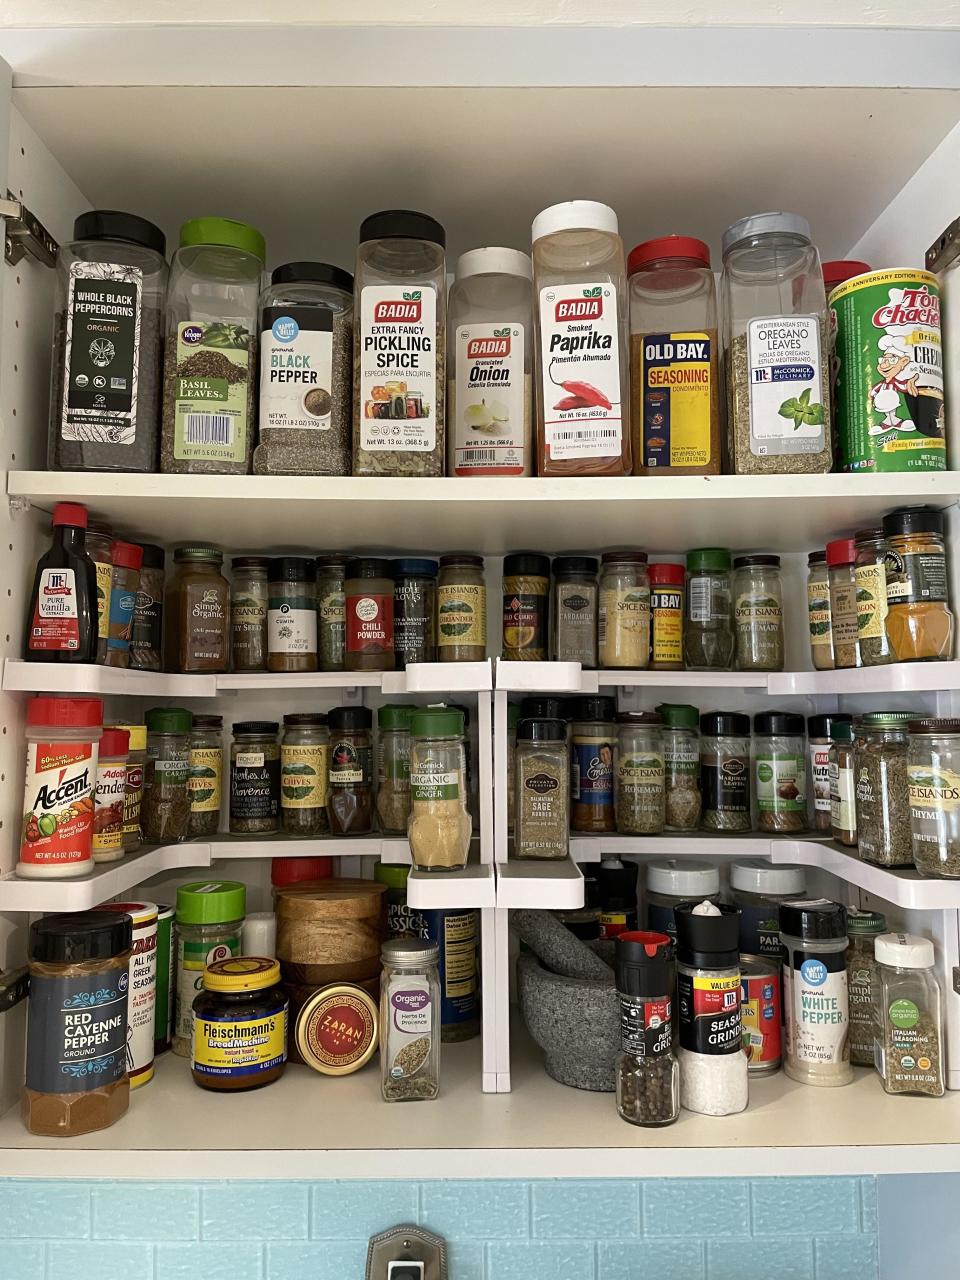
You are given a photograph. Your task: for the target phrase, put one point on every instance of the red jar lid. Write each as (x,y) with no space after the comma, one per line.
(667,575)
(66,713)
(841,269)
(115,742)
(70,513)
(127,555)
(667,247)
(284,871)
(842,551)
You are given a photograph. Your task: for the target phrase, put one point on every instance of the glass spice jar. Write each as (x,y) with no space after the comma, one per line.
(248,613)
(573,610)
(108,795)
(393,767)
(681,765)
(461,609)
(205,778)
(780,771)
(639,796)
(593,747)
(254,778)
(624,618)
(910,1044)
(239,1025)
(870,570)
(725,771)
(350,799)
(132,836)
(126,558)
(933,771)
(410,1020)
(843,785)
(331,613)
(368,596)
(209,927)
(414,611)
(666,616)
(526,605)
(863,983)
(440,826)
(819,622)
(292,614)
(514,716)
(820,734)
(304,774)
(708,639)
(198,612)
(97,543)
(165,808)
(919,621)
(542,788)
(882,789)
(758,613)
(841,562)
(146,638)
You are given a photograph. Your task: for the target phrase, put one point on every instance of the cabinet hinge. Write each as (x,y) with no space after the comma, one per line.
(14,987)
(945,249)
(25,235)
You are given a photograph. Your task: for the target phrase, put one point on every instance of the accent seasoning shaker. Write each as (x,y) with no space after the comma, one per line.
(368,594)
(648,1074)
(526,606)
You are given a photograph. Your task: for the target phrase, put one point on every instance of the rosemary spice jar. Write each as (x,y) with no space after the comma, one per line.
(882,789)
(843,785)
(393,768)
(165,809)
(146,638)
(304,774)
(331,613)
(248,613)
(725,771)
(292,614)
(873,555)
(573,610)
(368,605)
(911,1041)
(863,984)
(350,799)
(542,788)
(306,372)
(758,613)
(933,771)
(198,612)
(819,623)
(820,734)
(461,609)
(780,771)
(708,638)
(205,777)
(440,827)
(410,1020)
(638,779)
(593,746)
(526,603)
(681,766)
(414,611)
(841,567)
(254,778)
(919,621)
(624,618)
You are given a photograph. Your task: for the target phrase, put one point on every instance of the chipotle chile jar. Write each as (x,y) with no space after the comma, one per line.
(368,589)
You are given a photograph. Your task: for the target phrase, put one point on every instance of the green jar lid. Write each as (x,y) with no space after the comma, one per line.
(679,715)
(843,731)
(394,715)
(211,902)
(393,875)
(225,232)
(708,558)
(886,719)
(198,551)
(514,714)
(865,921)
(437,722)
(169,720)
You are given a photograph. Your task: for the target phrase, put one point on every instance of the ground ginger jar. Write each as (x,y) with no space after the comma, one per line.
(440,827)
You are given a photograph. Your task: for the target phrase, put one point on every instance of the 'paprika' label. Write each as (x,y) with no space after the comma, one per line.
(580,359)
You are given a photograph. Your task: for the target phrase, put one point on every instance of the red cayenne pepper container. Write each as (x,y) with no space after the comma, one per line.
(62,617)
(666,616)
(368,588)
(62,744)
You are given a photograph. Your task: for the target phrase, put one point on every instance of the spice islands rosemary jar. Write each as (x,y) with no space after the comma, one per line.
(758,613)
(638,776)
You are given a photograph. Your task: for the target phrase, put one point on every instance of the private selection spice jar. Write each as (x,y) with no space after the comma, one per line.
(254,777)
(304,774)
(815,998)
(110,292)
(883,789)
(126,559)
(526,606)
(863,984)
(759,888)
(209,927)
(410,1020)
(146,638)
(331,613)
(209,383)
(648,1075)
(205,778)
(933,774)
(820,735)
(844,617)
(76,1072)
(843,785)
(873,554)
(109,794)
(368,596)
(758,613)
(910,1043)
(638,777)
(573,610)
(725,771)
(708,637)
(919,621)
(198,612)
(593,746)
(780,771)
(461,609)
(239,1025)
(292,614)
(165,809)
(400,294)
(681,766)
(624,618)
(306,372)
(818,612)
(350,799)
(666,616)
(248,613)
(542,788)
(414,611)
(440,826)
(393,767)
(141,988)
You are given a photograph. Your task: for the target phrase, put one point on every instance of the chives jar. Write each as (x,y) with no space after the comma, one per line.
(758,613)
(440,826)
(393,768)
(304,775)
(331,613)
(725,771)
(708,639)
(819,622)
(638,776)
(933,770)
(461,609)
(681,765)
(414,611)
(542,788)
(882,789)
(198,612)
(841,561)
(165,807)
(872,554)
(350,799)
(292,614)
(624,619)
(306,372)
(248,613)
(205,778)
(368,606)
(573,610)
(254,778)
(780,771)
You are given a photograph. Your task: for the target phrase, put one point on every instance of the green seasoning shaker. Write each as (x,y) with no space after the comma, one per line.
(210,916)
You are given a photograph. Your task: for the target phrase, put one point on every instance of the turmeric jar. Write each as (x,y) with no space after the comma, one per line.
(919,622)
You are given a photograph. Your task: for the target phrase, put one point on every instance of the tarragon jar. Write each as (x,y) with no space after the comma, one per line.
(882,789)
(873,554)
(933,768)
(819,622)
(624,623)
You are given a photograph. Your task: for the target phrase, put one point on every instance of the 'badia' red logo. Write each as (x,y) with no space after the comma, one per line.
(579,309)
(477,348)
(407,312)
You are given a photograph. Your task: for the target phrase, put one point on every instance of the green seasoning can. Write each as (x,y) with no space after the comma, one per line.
(209,920)
(163,1009)
(889,388)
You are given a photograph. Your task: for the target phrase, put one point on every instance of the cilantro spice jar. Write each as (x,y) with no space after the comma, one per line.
(239,1025)
(292,614)
(526,602)
(368,593)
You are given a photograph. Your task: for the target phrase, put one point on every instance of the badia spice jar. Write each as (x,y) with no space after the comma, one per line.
(882,789)
(165,808)
(666,617)
(821,731)
(819,623)
(198,611)
(368,596)
(205,779)
(593,746)
(146,638)
(708,639)
(350,799)
(304,774)
(440,827)
(639,774)
(254,778)
(542,789)
(526,607)
(780,771)
(248,613)
(76,1073)
(331,613)
(725,771)
(758,613)
(624,619)
(209,926)
(414,611)
(292,614)
(573,610)
(933,771)
(841,570)
(919,621)
(239,1025)
(461,609)
(873,554)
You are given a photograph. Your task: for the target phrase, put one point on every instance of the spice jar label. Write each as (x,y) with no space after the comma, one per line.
(108,814)
(820,775)
(192,960)
(141,1006)
(709,1012)
(725,786)
(296,369)
(815,997)
(102,353)
(916,576)
(871,601)
(757,612)
(211,392)
(369,623)
(679,394)
(843,799)
(781,783)
(234,1047)
(104,584)
(349,764)
(580,362)
(411,1021)
(818,614)
(434,784)
(58,822)
(625,623)
(525,607)
(491,395)
(646,1026)
(592,770)
(292,625)
(666,607)
(77,1032)
(461,615)
(640,779)
(303,776)
(576,623)
(132,797)
(709,600)
(56,623)
(397,370)
(122,605)
(786,383)
(204,779)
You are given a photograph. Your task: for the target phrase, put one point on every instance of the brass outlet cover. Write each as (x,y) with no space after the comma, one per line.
(407,1244)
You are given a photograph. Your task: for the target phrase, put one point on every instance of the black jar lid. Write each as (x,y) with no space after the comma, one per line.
(350,719)
(907,520)
(732,724)
(529,563)
(261,728)
(813,918)
(744,562)
(779,723)
(80,935)
(203,723)
(330,562)
(368,567)
(112,224)
(825,726)
(413,568)
(461,558)
(709,941)
(650,719)
(544,706)
(645,964)
(306,719)
(817,557)
(314,273)
(592,707)
(626,557)
(154,557)
(587,565)
(541,729)
(250,562)
(402,224)
(293,569)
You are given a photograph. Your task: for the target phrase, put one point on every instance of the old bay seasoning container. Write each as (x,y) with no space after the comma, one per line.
(239,1025)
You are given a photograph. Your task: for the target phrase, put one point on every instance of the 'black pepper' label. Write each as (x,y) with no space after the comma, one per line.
(646,1026)
(77,1032)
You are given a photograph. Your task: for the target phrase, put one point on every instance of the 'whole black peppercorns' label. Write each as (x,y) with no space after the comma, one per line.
(102,350)
(709,1012)
(646,1026)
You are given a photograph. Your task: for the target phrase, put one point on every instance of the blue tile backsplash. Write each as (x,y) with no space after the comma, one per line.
(673,1229)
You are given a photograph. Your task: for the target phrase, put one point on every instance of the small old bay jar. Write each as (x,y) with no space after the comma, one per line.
(933,770)
(248,613)
(758,613)
(573,610)
(368,593)
(292,614)
(624,619)
(461,609)
(239,1025)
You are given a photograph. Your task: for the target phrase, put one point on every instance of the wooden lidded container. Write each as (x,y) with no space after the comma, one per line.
(330,931)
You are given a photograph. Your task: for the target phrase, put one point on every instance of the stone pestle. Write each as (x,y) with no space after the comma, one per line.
(557,947)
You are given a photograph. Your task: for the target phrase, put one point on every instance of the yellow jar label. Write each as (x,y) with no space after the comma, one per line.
(204,779)
(104,577)
(304,776)
(667,626)
(624,629)
(461,615)
(871,601)
(932,791)
(818,613)
(233,1047)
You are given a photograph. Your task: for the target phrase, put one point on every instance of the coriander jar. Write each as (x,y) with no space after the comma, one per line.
(393,767)
(725,771)
(209,924)
(304,774)
(198,612)
(639,796)
(863,983)
(758,613)
(414,611)
(872,555)
(841,568)
(681,766)
(526,605)
(292,614)
(593,747)
(624,617)
(350,799)
(254,778)
(883,789)
(780,771)
(331,613)
(542,788)
(248,613)
(205,778)
(306,372)
(819,624)
(368,603)
(165,807)
(708,638)
(440,826)
(573,610)
(461,609)
(933,772)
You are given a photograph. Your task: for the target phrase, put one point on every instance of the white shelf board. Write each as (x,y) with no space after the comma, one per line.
(237,682)
(492,516)
(897,677)
(474,886)
(540,883)
(586,848)
(391,849)
(52,677)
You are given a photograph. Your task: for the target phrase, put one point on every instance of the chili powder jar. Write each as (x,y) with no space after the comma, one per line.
(239,1025)
(526,600)
(368,591)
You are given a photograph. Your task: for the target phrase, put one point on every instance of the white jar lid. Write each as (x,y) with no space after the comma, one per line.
(903,950)
(259,935)
(757,875)
(575,215)
(494,260)
(683,878)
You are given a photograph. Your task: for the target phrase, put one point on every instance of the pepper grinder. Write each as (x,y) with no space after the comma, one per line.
(647,1072)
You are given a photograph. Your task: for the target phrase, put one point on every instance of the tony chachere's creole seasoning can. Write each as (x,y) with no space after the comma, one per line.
(889,390)
(760,1012)
(240,1025)
(142,990)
